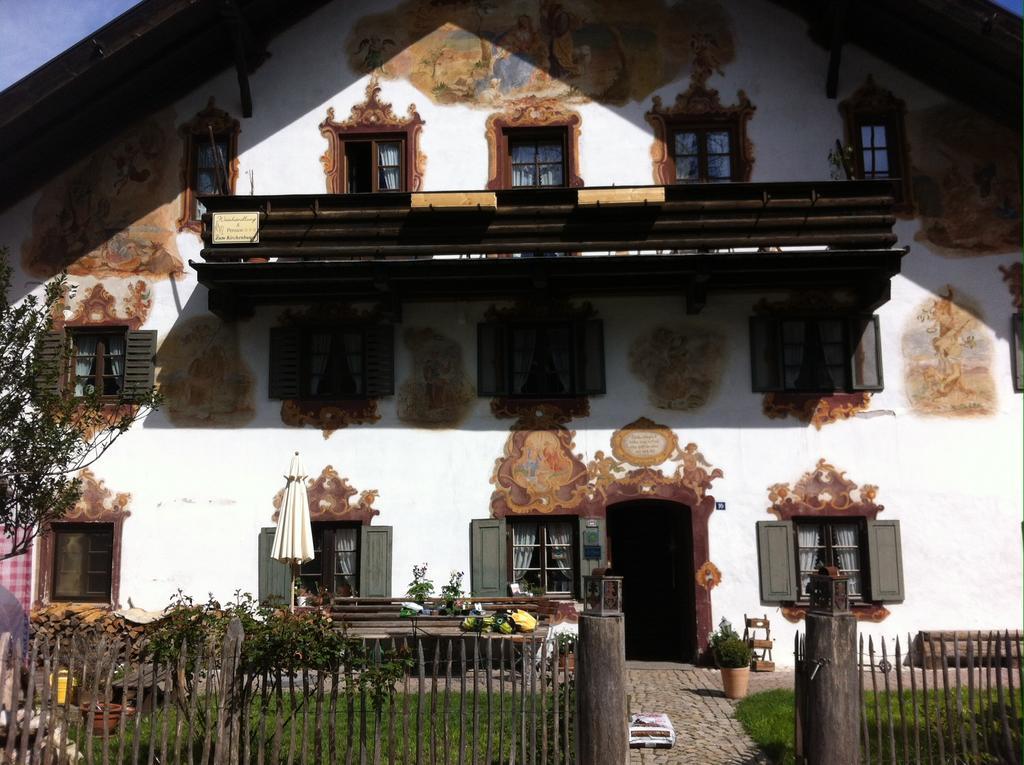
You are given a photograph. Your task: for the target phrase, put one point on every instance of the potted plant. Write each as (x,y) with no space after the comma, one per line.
(451,592)
(566,643)
(732,655)
(420,588)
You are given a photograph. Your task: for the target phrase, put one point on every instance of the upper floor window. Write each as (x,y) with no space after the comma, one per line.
(111,362)
(209,163)
(98,361)
(540,359)
(875,131)
(820,354)
(374,164)
(705,153)
(537,158)
(332,362)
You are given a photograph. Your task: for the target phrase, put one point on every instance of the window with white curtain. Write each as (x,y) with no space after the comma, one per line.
(537,158)
(543,555)
(98,361)
(830,542)
(374,164)
(334,569)
(334,363)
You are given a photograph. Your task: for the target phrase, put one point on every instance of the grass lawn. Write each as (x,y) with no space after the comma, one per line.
(768,718)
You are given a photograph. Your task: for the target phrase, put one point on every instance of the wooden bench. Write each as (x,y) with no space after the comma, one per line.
(929,646)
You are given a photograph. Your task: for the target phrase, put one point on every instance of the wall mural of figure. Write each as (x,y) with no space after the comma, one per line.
(113,213)
(947,352)
(438,393)
(486,53)
(966,178)
(681,367)
(203,375)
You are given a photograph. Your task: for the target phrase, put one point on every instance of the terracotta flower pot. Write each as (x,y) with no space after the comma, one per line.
(735,682)
(105,722)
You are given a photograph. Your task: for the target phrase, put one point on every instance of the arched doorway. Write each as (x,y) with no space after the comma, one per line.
(651,546)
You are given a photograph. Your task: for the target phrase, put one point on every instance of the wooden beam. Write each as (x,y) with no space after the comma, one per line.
(454,200)
(239,31)
(840,9)
(625,195)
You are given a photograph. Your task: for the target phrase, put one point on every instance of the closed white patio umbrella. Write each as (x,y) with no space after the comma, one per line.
(293,541)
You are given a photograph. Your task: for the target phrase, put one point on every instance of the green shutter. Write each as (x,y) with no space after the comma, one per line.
(375,561)
(488,573)
(275,578)
(765,355)
(590,357)
(587,566)
(776,562)
(285,356)
(139,361)
(885,562)
(865,353)
(491,357)
(51,362)
(380,360)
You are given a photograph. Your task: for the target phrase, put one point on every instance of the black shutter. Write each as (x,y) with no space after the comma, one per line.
(285,357)
(589,357)
(491,359)
(380,360)
(139,361)
(765,355)
(50,363)
(865,353)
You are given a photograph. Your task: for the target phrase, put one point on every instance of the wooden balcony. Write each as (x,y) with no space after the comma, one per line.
(638,240)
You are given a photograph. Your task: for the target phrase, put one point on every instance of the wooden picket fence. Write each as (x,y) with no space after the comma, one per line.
(969,711)
(466,700)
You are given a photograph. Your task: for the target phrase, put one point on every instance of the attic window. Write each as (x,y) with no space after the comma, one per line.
(209,164)
(875,131)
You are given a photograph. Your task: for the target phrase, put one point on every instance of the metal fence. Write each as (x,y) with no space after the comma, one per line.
(466,700)
(949,701)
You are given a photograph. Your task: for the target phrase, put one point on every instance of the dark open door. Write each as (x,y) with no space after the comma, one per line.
(651,547)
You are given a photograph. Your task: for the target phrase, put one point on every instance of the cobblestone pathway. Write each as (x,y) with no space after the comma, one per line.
(707,733)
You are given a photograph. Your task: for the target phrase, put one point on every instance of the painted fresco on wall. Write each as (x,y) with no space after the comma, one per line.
(966,181)
(485,52)
(1011,275)
(681,366)
(333,498)
(947,354)
(97,305)
(113,213)
(329,417)
(438,393)
(814,409)
(203,375)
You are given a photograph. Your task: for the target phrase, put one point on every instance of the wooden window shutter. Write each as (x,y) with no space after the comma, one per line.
(587,566)
(50,367)
(375,544)
(776,562)
(275,577)
(491,358)
(285,358)
(139,361)
(380,360)
(885,562)
(590,357)
(765,355)
(488,572)
(865,353)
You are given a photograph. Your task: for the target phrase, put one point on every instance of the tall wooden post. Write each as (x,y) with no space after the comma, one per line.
(601,721)
(227,750)
(830,682)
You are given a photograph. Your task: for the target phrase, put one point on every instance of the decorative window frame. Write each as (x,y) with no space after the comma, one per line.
(872,101)
(191,132)
(531,114)
(373,118)
(700,107)
(98,504)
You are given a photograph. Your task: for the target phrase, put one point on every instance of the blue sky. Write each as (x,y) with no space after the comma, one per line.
(34,31)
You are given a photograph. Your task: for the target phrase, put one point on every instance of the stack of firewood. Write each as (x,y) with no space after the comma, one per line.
(84,621)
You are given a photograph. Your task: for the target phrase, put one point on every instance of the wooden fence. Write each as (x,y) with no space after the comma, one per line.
(963,708)
(467,700)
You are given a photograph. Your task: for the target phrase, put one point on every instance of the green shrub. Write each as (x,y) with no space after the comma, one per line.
(730,651)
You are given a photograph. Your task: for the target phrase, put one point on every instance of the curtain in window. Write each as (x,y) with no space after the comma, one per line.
(522,175)
(808,539)
(561,357)
(848,553)
(352,363)
(346,542)
(524,342)
(320,345)
(85,363)
(115,354)
(524,541)
(389,164)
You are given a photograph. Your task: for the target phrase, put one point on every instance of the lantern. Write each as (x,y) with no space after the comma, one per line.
(602,595)
(829,591)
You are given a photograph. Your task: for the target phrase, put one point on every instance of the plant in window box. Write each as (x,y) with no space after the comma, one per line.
(732,655)
(452,592)
(420,588)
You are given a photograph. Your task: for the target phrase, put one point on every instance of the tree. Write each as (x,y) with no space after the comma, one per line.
(47,435)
